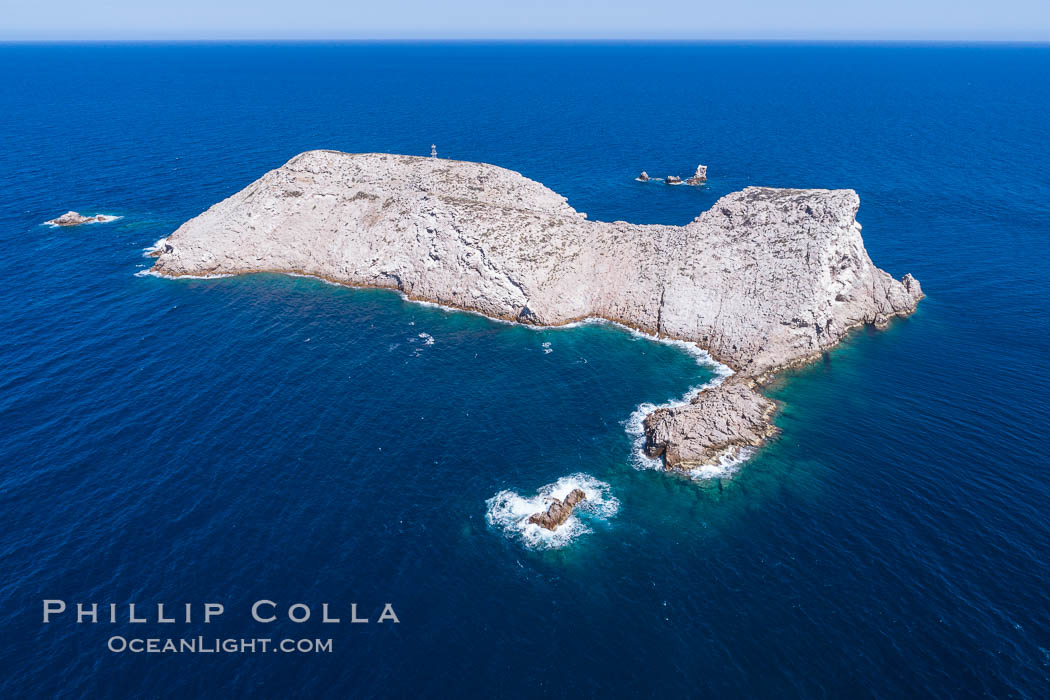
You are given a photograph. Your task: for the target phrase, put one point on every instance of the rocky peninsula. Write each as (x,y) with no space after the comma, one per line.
(765,279)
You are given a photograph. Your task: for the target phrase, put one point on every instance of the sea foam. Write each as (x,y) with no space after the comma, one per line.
(509,511)
(151,251)
(727,465)
(635,423)
(150,272)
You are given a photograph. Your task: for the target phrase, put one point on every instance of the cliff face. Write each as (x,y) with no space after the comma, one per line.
(764,279)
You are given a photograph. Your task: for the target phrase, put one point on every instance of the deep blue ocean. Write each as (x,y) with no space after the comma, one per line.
(270,437)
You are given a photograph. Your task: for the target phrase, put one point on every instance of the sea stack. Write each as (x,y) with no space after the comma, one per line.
(765,279)
(559,511)
(699,177)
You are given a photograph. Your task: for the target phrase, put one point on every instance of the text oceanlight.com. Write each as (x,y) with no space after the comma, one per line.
(201,645)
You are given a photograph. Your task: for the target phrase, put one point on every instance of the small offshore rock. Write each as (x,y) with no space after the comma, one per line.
(718,421)
(699,177)
(673,180)
(644,177)
(559,511)
(72,218)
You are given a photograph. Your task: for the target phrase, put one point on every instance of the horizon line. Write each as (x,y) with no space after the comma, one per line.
(527,39)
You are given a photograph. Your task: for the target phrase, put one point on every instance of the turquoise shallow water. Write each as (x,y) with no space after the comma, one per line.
(282,438)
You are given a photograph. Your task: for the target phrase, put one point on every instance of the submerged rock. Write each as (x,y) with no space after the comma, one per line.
(72,218)
(767,278)
(699,177)
(559,511)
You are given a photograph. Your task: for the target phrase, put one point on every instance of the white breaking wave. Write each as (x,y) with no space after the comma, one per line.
(727,465)
(427,338)
(155,248)
(150,273)
(510,511)
(635,423)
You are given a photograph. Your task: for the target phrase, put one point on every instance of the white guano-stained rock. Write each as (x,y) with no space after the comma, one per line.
(699,177)
(764,279)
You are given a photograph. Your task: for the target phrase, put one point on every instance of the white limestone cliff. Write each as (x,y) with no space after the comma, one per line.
(764,279)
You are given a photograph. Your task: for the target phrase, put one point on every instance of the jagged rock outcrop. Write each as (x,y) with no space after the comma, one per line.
(72,218)
(764,279)
(699,177)
(559,511)
(718,422)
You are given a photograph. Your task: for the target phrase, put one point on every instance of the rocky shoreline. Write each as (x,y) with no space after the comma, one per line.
(765,279)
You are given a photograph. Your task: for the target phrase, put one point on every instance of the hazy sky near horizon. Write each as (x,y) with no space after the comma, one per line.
(950,20)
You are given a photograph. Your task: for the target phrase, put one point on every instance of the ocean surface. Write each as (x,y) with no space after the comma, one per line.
(271,437)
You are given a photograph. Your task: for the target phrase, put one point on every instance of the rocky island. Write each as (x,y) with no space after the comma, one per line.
(765,279)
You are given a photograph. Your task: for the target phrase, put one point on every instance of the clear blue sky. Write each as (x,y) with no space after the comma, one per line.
(952,20)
